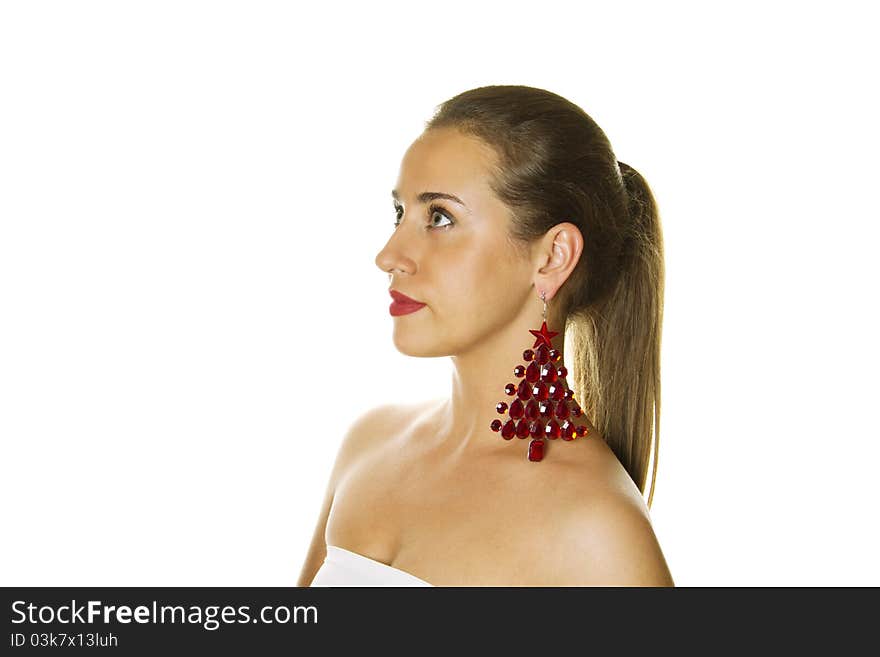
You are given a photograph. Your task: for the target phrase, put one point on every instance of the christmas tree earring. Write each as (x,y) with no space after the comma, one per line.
(544,406)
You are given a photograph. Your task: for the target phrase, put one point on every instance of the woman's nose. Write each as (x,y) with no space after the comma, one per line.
(395,255)
(391,262)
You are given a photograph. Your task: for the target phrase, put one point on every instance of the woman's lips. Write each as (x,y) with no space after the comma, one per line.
(402,304)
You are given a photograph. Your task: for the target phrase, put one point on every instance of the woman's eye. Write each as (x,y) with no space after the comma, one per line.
(433,211)
(437,211)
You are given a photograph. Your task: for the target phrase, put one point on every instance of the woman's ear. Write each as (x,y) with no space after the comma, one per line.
(556,256)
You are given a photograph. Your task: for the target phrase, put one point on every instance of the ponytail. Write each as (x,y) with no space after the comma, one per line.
(616,342)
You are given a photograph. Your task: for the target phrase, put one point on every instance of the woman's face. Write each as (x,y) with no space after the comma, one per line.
(452,256)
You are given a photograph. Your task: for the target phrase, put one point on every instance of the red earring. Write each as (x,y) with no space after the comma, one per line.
(544,404)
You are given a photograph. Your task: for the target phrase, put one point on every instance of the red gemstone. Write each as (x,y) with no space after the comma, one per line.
(582,430)
(563,371)
(544,336)
(501,407)
(569,393)
(522,428)
(540,390)
(557,391)
(548,373)
(533,373)
(546,408)
(496,425)
(516,409)
(528,355)
(576,411)
(532,410)
(543,354)
(536,450)
(554,355)
(537,429)
(519,370)
(525,390)
(508,430)
(562,411)
(567,430)
(509,389)
(551,431)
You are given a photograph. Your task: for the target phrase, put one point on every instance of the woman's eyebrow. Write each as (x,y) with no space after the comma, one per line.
(424,197)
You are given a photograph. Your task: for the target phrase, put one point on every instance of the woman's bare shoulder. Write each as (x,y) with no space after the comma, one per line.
(378,425)
(611,542)
(603,531)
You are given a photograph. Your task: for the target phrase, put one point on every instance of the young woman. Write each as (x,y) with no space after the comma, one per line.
(515,222)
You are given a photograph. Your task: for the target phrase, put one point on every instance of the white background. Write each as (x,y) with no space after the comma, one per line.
(192,195)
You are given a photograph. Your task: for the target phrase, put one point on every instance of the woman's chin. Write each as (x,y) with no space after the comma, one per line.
(417,344)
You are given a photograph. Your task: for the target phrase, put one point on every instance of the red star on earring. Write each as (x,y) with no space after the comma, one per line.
(543,335)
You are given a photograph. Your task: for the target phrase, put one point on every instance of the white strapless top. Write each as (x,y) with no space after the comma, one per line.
(343,567)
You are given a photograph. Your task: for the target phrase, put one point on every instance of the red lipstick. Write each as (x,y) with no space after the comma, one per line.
(402,304)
